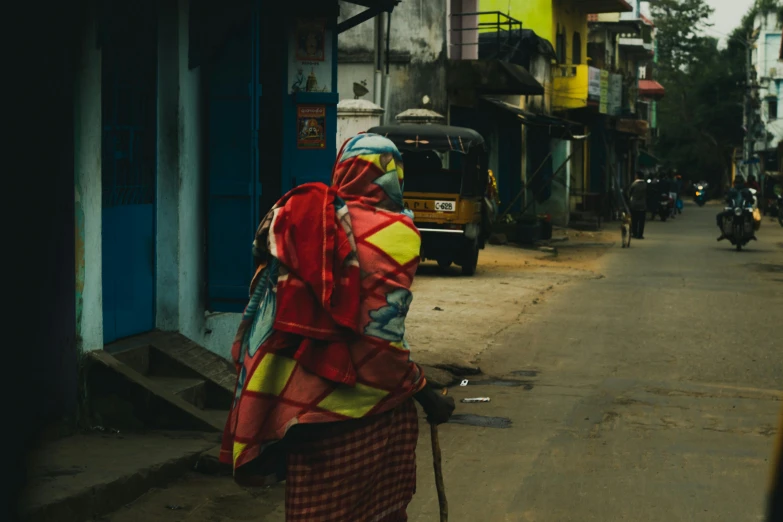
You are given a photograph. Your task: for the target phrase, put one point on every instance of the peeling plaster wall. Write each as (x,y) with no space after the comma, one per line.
(88,208)
(418,48)
(192,215)
(559,205)
(168,182)
(181,209)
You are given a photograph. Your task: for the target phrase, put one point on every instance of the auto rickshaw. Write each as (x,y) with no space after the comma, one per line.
(446,185)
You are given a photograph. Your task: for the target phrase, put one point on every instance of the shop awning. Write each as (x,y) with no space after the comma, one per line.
(557,127)
(604,6)
(651,89)
(491,77)
(647,160)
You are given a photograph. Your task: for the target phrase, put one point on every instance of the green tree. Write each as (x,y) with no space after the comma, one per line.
(700,119)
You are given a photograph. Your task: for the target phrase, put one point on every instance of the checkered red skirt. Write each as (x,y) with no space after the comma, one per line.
(367,474)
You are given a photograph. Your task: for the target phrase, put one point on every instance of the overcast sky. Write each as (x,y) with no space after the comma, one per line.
(727,16)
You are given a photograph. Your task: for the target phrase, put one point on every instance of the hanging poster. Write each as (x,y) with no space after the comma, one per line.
(615,94)
(310,56)
(603,104)
(310,126)
(593,83)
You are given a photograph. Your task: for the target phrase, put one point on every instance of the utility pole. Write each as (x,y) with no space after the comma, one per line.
(748,116)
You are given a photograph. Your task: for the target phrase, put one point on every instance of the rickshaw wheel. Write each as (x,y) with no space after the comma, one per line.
(469,266)
(443,265)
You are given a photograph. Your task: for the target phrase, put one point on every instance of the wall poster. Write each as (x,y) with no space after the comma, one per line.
(310,56)
(603,81)
(311,127)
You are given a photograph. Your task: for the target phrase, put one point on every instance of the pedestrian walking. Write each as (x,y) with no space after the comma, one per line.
(637,195)
(326,387)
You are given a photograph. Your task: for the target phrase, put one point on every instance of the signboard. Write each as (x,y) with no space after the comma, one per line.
(603,104)
(310,56)
(593,84)
(310,126)
(615,94)
(637,127)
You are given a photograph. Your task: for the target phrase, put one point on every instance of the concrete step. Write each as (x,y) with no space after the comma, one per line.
(162,390)
(89,475)
(192,390)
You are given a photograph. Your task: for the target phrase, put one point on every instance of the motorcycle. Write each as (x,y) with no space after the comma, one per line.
(738,225)
(699,196)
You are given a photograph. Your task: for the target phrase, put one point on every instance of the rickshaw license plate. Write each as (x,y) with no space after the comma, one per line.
(445,206)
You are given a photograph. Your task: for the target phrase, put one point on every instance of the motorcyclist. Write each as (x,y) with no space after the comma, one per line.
(753,184)
(738,190)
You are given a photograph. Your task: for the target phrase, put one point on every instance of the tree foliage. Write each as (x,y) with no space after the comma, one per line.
(700,119)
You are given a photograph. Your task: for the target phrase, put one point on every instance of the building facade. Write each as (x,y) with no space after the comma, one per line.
(192,119)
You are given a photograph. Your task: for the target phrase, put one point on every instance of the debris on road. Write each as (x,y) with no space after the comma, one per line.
(475,399)
(438,309)
(464,382)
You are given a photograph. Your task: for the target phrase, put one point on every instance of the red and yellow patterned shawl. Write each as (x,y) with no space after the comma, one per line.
(322,338)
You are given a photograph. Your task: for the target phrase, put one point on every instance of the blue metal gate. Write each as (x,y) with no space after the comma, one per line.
(129,170)
(234,169)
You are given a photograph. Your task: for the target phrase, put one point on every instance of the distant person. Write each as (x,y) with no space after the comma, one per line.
(637,196)
(753,184)
(737,191)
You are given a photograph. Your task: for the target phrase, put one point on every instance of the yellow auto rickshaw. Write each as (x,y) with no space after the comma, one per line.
(446,188)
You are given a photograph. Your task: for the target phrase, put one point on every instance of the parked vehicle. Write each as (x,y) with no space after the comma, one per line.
(738,226)
(700,194)
(446,188)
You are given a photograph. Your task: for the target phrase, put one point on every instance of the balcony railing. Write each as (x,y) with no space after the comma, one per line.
(489,34)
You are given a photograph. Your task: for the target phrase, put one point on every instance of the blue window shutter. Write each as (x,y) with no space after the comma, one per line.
(233,170)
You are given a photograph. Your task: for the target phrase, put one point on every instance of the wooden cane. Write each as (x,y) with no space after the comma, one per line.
(436,462)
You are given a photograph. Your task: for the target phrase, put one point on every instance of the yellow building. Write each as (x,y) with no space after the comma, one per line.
(564,24)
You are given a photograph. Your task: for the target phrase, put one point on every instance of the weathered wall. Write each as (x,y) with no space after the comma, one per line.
(355,116)
(541,69)
(88,207)
(181,210)
(168,182)
(418,46)
(192,216)
(558,205)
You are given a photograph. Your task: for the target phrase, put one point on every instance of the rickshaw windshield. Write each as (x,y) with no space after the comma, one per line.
(444,173)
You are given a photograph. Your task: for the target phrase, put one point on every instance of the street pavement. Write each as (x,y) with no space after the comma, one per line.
(650,393)
(656,394)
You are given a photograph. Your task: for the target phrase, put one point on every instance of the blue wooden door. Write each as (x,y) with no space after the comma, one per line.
(128,173)
(234,183)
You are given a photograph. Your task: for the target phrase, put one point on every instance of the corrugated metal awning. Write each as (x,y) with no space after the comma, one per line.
(651,89)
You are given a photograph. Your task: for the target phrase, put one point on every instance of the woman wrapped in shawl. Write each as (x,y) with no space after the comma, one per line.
(325,385)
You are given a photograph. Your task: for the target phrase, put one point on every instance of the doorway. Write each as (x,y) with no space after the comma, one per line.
(129,141)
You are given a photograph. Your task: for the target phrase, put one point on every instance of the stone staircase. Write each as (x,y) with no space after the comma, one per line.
(165,372)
